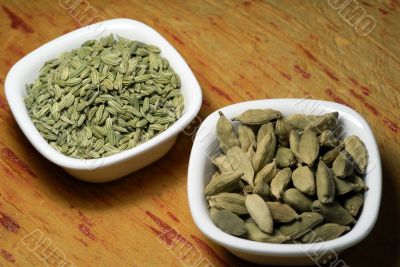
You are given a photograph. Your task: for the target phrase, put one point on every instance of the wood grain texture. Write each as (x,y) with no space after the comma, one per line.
(238,50)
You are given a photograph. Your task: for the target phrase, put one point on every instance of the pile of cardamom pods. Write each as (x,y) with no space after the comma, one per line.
(286,180)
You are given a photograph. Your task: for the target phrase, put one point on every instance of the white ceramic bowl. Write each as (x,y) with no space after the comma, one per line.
(118,165)
(201,168)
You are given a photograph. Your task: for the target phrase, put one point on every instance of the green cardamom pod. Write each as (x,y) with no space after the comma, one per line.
(343,186)
(266,174)
(325,232)
(343,165)
(225,132)
(222,163)
(308,147)
(265,149)
(299,121)
(259,212)
(285,157)
(282,212)
(331,155)
(297,200)
(267,128)
(283,127)
(296,229)
(244,164)
(246,137)
(357,150)
(294,140)
(327,139)
(262,189)
(327,121)
(228,222)
(324,183)
(355,179)
(354,203)
(224,182)
(333,212)
(254,233)
(257,116)
(228,201)
(303,179)
(250,154)
(280,182)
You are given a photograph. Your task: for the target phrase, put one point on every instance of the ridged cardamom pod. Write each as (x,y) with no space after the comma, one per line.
(296,229)
(327,139)
(343,165)
(262,189)
(257,116)
(299,121)
(331,155)
(327,121)
(303,179)
(297,200)
(259,212)
(267,128)
(354,203)
(294,141)
(343,186)
(265,149)
(333,212)
(266,174)
(357,150)
(254,233)
(228,201)
(244,164)
(282,212)
(228,222)
(280,182)
(324,183)
(250,154)
(308,147)
(355,179)
(285,157)
(224,182)
(222,163)
(226,133)
(283,127)
(246,137)
(325,232)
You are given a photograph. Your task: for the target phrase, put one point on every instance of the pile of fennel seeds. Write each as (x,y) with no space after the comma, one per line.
(107,96)
(286,180)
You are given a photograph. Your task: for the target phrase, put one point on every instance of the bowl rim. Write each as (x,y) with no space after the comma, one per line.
(62,160)
(202,220)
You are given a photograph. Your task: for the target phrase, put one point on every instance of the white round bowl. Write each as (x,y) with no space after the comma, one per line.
(118,165)
(201,168)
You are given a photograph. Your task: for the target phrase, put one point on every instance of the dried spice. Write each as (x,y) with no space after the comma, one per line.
(104,97)
(228,222)
(303,179)
(257,116)
(325,232)
(277,168)
(259,212)
(325,184)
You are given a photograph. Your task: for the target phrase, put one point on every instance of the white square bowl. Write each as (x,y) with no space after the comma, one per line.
(118,165)
(201,168)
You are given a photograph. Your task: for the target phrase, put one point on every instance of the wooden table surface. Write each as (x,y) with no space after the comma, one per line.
(238,50)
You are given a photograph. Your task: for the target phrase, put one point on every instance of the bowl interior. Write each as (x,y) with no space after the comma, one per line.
(27,69)
(201,168)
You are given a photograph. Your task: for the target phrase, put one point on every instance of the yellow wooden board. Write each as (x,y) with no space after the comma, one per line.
(238,50)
